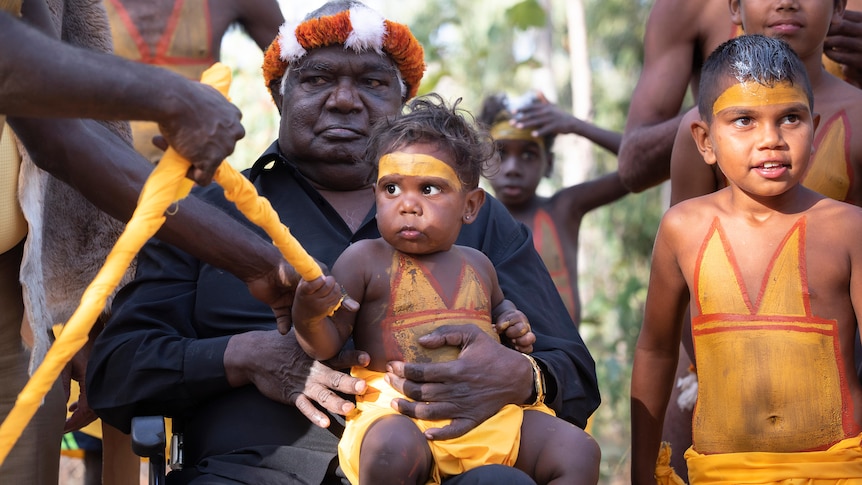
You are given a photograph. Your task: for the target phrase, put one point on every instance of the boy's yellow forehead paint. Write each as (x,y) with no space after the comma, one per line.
(417,164)
(752,94)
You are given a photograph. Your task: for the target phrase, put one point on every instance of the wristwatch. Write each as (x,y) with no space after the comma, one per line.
(538,395)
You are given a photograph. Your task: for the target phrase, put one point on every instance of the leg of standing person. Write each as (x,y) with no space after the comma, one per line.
(35,458)
(677,419)
(119,463)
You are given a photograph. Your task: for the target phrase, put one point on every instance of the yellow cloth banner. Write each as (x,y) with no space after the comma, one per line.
(166,185)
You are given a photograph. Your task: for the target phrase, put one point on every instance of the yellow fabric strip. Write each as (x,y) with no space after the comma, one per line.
(257,209)
(664,473)
(840,464)
(752,94)
(166,185)
(417,165)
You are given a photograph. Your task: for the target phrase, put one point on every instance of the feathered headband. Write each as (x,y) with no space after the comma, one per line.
(359,28)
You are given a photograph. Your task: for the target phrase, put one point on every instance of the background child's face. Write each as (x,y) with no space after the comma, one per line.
(521,166)
(422,204)
(760,136)
(801,23)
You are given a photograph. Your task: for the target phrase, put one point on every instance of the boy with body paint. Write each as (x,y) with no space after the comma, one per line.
(773,284)
(412,280)
(836,164)
(524,136)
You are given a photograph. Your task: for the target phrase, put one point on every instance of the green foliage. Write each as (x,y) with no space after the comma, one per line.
(469,46)
(526,14)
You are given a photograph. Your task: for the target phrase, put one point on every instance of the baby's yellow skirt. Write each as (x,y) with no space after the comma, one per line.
(495,441)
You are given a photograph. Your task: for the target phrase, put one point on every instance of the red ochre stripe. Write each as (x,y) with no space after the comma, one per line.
(430,316)
(825,327)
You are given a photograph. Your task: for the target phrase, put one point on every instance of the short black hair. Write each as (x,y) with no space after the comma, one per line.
(758,58)
(430,119)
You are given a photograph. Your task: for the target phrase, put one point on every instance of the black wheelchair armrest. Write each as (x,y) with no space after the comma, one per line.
(148,440)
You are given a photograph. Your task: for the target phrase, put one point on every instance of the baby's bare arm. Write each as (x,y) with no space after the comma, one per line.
(512,325)
(317,333)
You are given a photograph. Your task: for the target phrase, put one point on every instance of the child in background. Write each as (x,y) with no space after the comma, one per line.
(773,286)
(413,280)
(524,134)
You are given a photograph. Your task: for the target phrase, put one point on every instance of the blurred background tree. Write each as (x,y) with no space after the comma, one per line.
(584,55)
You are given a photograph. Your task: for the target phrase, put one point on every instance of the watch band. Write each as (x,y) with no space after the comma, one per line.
(538,395)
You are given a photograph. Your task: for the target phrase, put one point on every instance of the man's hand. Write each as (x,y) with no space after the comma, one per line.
(283,372)
(844,45)
(204,129)
(277,288)
(76,369)
(485,377)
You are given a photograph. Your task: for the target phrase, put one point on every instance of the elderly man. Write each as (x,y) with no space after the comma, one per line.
(186,340)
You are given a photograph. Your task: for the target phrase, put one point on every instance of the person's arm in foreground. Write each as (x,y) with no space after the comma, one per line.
(549,119)
(41,76)
(486,377)
(653,117)
(690,175)
(110,174)
(151,358)
(657,351)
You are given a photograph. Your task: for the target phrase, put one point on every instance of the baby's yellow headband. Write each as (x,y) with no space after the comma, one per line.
(359,28)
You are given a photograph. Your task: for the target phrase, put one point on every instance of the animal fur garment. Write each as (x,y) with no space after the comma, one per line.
(68,237)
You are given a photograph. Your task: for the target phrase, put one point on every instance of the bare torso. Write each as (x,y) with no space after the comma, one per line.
(775,367)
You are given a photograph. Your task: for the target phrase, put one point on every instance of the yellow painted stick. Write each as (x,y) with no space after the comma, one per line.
(166,185)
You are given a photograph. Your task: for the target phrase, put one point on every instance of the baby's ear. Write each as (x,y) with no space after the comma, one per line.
(475,199)
(700,133)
